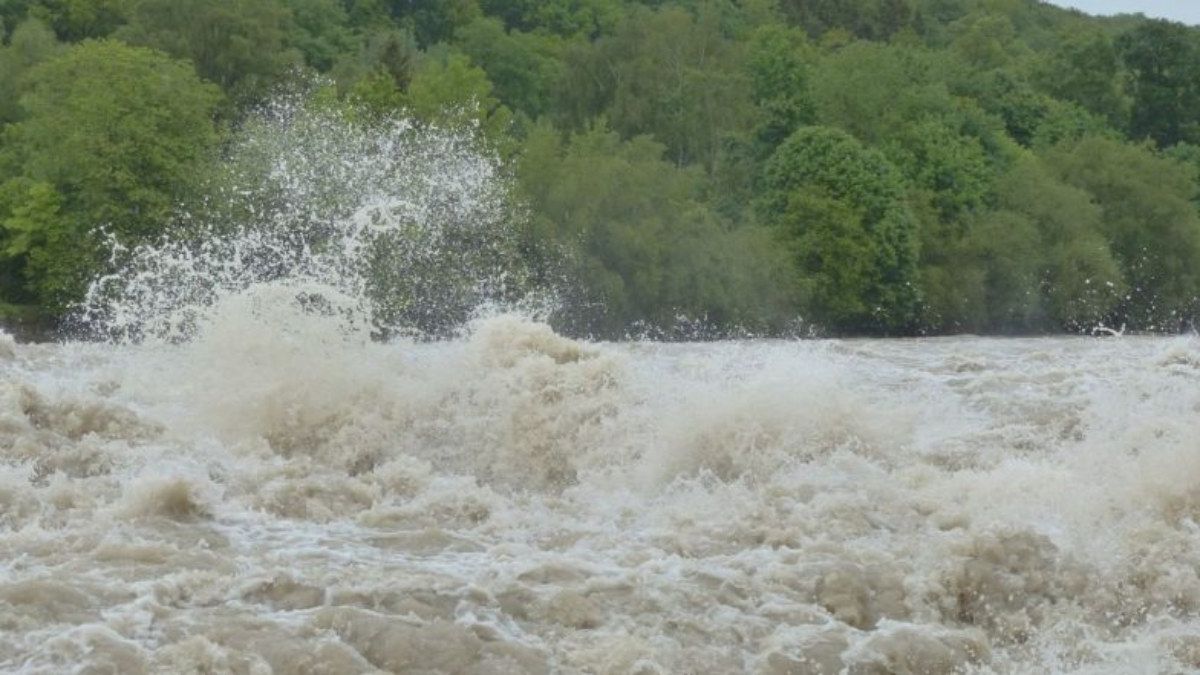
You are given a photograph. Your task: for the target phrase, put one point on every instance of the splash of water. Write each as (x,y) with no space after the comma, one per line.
(386,225)
(259,487)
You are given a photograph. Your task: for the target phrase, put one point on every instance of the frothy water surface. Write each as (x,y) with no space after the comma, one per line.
(517,502)
(247,480)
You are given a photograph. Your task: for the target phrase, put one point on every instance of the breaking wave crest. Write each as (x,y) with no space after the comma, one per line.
(389,226)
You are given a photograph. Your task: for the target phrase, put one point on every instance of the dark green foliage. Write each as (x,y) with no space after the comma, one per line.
(30,44)
(75,20)
(984,40)
(1163,60)
(320,31)
(585,18)
(1037,261)
(1085,68)
(433,21)
(387,61)
(525,68)
(241,46)
(842,207)
(866,19)
(1078,283)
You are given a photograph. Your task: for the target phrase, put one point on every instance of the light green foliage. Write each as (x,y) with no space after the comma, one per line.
(33,209)
(951,167)
(1063,121)
(639,245)
(376,93)
(868,89)
(678,78)
(1188,155)
(44,245)
(241,46)
(842,206)
(111,137)
(897,99)
(778,59)
(455,92)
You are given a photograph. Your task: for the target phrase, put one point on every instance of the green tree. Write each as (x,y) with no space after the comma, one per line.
(111,138)
(1150,219)
(842,207)
(985,40)
(31,44)
(676,77)
(639,247)
(525,68)
(779,60)
(241,46)
(1085,68)
(951,168)
(871,90)
(1164,66)
(899,99)
(380,73)
(585,18)
(1081,281)
(866,19)
(321,32)
(1036,261)
(391,53)
(1078,281)
(74,20)
(433,21)
(455,92)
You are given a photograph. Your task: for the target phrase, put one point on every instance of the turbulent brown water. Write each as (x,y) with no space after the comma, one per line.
(245,478)
(517,502)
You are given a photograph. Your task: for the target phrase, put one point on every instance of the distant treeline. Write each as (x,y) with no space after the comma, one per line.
(858,166)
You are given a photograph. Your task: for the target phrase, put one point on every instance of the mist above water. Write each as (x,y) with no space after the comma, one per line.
(244,481)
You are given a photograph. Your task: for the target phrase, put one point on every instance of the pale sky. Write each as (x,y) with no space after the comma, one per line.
(1186,11)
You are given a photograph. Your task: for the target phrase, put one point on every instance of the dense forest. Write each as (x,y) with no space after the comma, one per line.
(849,167)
